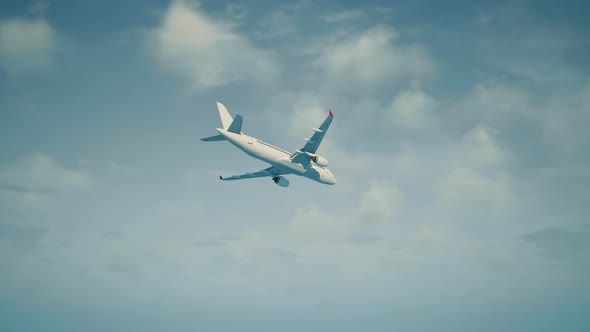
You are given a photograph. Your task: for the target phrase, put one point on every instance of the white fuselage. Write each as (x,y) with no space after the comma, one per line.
(278,158)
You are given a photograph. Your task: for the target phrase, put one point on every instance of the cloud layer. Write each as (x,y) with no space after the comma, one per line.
(27,46)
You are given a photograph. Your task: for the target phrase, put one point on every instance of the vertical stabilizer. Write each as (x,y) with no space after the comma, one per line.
(226,118)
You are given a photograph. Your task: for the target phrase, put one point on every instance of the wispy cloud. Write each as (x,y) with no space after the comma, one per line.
(33,182)
(347,15)
(42,173)
(17,240)
(27,46)
(207,51)
(559,243)
(478,179)
(279,23)
(412,110)
(382,202)
(367,61)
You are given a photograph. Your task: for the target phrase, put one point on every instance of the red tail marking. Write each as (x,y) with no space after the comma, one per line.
(331,114)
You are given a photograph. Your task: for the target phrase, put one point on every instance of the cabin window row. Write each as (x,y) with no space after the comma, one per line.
(270,146)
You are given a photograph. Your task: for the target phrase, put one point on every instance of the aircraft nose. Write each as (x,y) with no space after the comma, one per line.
(331,178)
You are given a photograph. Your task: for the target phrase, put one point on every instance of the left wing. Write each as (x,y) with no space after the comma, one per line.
(303,155)
(271,171)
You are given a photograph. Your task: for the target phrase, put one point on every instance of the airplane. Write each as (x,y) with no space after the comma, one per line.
(304,162)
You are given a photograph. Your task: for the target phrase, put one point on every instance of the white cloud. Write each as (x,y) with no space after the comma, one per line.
(412,109)
(207,51)
(278,24)
(480,149)
(236,11)
(305,110)
(465,190)
(538,50)
(489,98)
(368,61)
(381,202)
(478,182)
(312,220)
(565,118)
(347,15)
(39,8)
(32,182)
(26,46)
(42,172)
(586,96)
(407,160)
(124,260)
(495,104)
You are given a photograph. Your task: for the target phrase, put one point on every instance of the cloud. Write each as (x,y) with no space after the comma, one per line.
(207,51)
(18,240)
(20,248)
(125,261)
(381,203)
(364,239)
(505,107)
(312,220)
(347,15)
(305,109)
(26,46)
(478,181)
(557,243)
(466,190)
(480,149)
(30,182)
(368,61)
(279,23)
(564,119)
(540,49)
(412,109)
(42,173)
(39,8)
(407,160)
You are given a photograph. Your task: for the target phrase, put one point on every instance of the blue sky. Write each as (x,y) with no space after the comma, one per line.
(460,146)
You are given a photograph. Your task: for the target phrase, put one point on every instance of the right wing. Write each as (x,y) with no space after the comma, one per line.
(271,171)
(303,156)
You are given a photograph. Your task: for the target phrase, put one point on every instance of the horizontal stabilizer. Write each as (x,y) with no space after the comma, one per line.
(213,138)
(236,125)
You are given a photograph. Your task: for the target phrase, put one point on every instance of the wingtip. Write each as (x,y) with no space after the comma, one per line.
(220,177)
(331,114)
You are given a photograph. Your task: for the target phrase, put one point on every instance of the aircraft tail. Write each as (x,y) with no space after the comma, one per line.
(226,118)
(232,125)
(236,125)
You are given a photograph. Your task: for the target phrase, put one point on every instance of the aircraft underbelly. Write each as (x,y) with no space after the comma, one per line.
(271,156)
(287,164)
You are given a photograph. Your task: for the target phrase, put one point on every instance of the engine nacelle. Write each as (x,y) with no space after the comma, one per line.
(281,181)
(320,161)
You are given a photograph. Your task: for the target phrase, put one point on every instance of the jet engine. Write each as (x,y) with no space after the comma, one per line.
(320,161)
(281,181)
